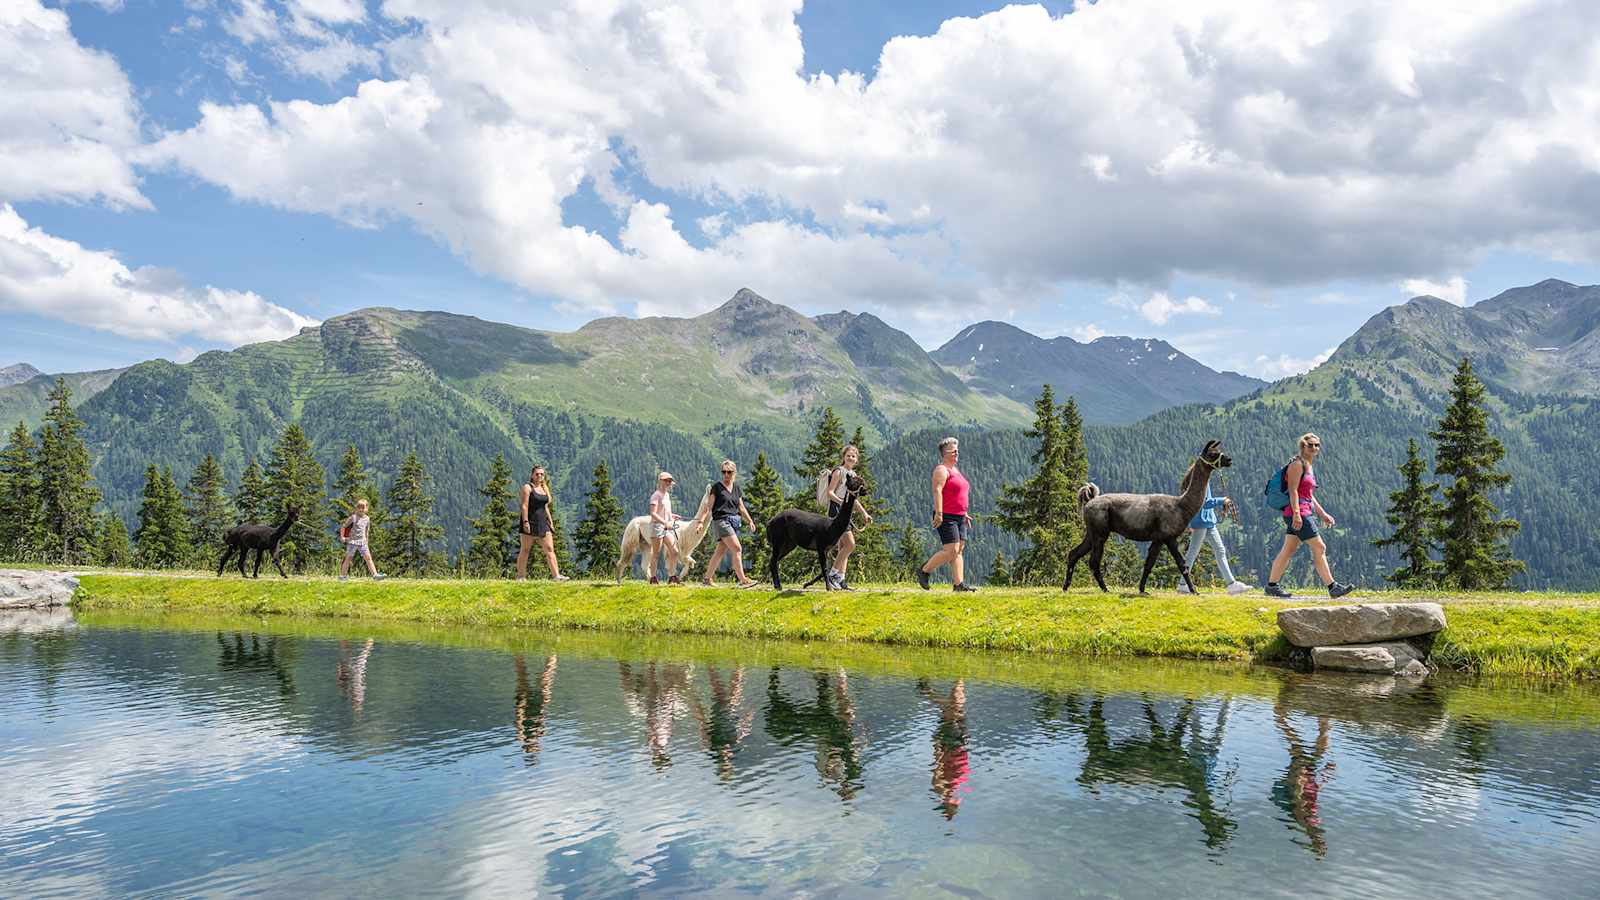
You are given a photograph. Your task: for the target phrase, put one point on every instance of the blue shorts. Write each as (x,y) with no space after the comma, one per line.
(954,529)
(1308,527)
(728,526)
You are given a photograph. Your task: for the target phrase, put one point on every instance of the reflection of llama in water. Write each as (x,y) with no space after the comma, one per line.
(270,656)
(351,674)
(1298,792)
(532,706)
(829,721)
(724,726)
(658,695)
(1181,756)
(951,764)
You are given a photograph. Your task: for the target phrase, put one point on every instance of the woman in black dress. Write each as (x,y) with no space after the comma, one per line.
(537,525)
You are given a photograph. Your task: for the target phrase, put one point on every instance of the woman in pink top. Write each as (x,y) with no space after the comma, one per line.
(1301,483)
(950,518)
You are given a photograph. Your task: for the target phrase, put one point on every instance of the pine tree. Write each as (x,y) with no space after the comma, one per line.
(114,549)
(1414,514)
(600,531)
(1043,509)
(20,522)
(161,537)
(493,551)
(412,531)
(294,479)
(66,487)
(910,552)
(250,500)
(1475,555)
(764,499)
(207,508)
(821,455)
(1000,573)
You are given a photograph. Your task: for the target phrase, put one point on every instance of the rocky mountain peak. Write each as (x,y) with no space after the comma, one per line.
(17,373)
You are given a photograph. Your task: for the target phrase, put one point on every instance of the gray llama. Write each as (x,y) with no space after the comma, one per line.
(1157,518)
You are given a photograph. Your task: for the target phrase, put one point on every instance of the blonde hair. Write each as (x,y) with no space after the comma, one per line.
(846,451)
(729,462)
(1305,439)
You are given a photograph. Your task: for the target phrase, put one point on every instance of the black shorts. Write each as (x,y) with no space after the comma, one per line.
(1308,527)
(538,526)
(954,529)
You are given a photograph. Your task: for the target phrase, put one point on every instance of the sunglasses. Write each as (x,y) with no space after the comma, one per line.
(1315,446)
(727,471)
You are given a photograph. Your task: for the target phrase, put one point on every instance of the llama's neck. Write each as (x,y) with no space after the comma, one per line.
(1194,496)
(841,522)
(281,530)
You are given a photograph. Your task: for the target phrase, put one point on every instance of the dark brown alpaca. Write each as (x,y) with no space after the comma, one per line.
(796,528)
(242,539)
(1157,518)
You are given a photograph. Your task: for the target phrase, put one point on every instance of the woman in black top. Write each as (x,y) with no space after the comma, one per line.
(727,512)
(537,525)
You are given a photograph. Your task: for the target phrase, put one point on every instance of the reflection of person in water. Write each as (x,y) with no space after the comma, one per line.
(830,722)
(656,695)
(1299,790)
(351,674)
(724,726)
(532,707)
(272,656)
(950,760)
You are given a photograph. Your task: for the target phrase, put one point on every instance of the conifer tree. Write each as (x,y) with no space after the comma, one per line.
(161,537)
(207,508)
(66,487)
(1475,555)
(1414,514)
(20,523)
(412,531)
(599,533)
(871,560)
(910,552)
(114,549)
(294,478)
(493,550)
(1043,509)
(250,501)
(821,455)
(764,498)
(1000,572)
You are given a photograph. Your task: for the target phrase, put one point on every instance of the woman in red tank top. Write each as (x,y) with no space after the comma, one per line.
(1300,481)
(950,517)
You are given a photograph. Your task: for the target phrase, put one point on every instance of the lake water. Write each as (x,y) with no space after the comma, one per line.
(163,756)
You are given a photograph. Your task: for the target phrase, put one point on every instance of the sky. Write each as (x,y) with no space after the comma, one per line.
(1247,179)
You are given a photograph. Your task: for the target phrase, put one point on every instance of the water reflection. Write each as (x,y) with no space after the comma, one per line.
(828,721)
(1299,790)
(273,656)
(656,696)
(951,764)
(727,723)
(531,706)
(350,673)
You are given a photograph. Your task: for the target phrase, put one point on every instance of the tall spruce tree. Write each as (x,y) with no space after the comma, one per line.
(600,531)
(1414,514)
(1000,572)
(66,487)
(493,550)
(113,546)
(763,496)
(1043,509)
(207,507)
(820,455)
(413,534)
(295,479)
(1475,555)
(162,536)
(250,501)
(20,522)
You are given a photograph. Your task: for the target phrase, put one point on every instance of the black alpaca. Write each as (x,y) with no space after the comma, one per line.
(1157,518)
(795,528)
(242,539)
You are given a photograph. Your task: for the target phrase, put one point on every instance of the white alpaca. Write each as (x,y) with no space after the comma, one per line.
(690,533)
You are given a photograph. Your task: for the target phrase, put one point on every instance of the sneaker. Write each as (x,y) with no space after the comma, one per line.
(655,579)
(1337,590)
(706,582)
(1238,587)
(961,587)
(922,579)
(674,580)
(344,577)
(750,584)
(842,584)
(563,578)
(379,577)
(1276,591)
(1184,588)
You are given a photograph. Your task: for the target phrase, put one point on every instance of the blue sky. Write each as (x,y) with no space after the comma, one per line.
(193,174)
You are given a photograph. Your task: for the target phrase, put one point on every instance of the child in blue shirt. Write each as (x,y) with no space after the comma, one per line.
(1202,528)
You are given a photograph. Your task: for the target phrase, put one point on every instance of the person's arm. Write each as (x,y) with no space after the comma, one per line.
(749,519)
(1291,480)
(940,476)
(550,508)
(835,483)
(1214,502)
(525,492)
(1322,513)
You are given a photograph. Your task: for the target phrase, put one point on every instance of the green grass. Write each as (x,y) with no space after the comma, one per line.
(1533,635)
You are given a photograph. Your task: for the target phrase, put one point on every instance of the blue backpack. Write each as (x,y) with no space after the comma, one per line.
(1276,495)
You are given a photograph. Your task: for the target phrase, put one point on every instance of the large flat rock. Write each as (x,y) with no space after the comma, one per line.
(1384,659)
(31,589)
(1358,623)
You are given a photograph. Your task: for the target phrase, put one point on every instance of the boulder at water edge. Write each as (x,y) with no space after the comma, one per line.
(27,589)
(1393,658)
(1366,623)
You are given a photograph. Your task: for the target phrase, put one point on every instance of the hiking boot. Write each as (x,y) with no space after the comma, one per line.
(961,587)
(1238,587)
(922,579)
(674,580)
(1337,590)
(655,579)
(1276,591)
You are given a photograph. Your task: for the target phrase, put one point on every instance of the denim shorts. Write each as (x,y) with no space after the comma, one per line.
(659,531)
(728,526)
(954,529)
(1308,527)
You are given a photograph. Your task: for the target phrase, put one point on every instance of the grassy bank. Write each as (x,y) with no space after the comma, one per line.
(1539,635)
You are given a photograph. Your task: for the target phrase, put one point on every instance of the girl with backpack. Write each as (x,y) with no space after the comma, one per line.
(1299,484)
(832,491)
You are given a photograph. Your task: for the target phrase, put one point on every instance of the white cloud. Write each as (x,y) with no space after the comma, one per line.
(1282,366)
(1453,291)
(49,276)
(1160,308)
(1250,139)
(68,117)
(304,43)
(1087,333)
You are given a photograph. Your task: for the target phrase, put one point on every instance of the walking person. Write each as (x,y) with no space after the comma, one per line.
(354,530)
(1203,529)
(663,530)
(950,518)
(728,512)
(537,525)
(1300,482)
(848,460)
